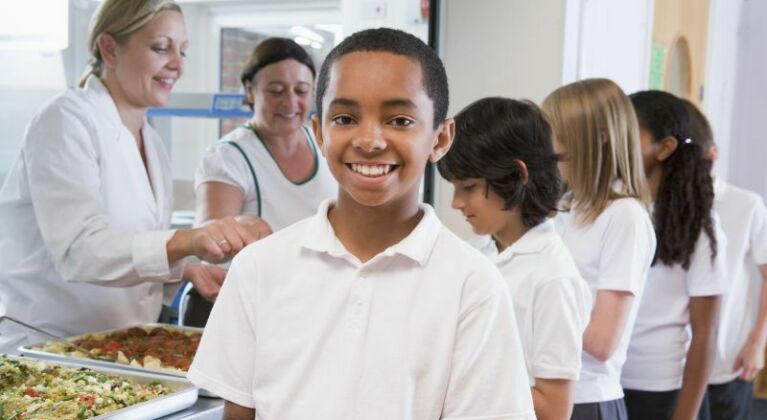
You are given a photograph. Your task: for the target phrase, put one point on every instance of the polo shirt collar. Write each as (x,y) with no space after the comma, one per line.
(532,242)
(417,246)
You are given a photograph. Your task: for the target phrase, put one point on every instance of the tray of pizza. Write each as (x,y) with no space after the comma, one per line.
(32,388)
(151,348)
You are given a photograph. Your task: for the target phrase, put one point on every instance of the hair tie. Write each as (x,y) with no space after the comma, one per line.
(687,141)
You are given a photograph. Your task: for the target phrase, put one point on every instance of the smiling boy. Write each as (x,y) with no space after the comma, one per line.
(371,309)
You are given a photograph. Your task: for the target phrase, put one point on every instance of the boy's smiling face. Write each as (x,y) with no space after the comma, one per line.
(377,130)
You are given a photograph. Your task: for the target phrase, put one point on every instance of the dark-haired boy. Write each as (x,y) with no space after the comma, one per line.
(504,170)
(371,309)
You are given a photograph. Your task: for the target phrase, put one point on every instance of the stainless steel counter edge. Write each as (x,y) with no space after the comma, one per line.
(203,409)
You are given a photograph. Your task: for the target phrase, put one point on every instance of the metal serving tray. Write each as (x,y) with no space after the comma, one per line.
(35,350)
(183,395)
(37,353)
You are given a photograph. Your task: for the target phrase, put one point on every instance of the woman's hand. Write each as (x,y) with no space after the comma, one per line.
(256,225)
(207,279)
(216,241)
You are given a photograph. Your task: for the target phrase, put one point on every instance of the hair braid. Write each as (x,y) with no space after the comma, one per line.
(683,205)
(686,194)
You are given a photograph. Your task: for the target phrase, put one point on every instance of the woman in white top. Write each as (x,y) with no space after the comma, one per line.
(504,171)
(674,340)
(268,172)
(85,211)
(269,168)
(606,228)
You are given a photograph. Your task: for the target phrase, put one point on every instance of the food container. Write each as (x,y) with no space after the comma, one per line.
(183,394)
(36,350)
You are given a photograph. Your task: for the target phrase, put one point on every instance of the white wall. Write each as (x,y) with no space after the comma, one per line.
(748,143)
(721,70)
(402,14)
(511,48)
(612,40)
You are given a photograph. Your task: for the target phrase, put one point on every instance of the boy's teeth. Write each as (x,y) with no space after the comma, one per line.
(371,170)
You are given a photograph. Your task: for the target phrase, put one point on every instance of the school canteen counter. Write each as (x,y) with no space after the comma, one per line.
(204,409)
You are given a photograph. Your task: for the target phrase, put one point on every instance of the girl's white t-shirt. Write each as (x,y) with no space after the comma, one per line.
(656,355)
(283,202)
(551,300)
(612,253)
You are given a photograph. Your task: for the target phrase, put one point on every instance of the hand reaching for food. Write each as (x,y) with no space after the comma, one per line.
(207,279)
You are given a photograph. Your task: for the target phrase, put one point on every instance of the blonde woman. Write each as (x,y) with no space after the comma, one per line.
(85,211)
(606,227)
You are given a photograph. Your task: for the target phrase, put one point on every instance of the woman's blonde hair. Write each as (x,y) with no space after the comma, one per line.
(120,18)
(596,123)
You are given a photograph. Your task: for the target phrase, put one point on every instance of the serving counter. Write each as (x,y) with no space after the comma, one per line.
(203,409)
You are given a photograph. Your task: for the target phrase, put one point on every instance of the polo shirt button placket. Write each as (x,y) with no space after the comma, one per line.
(357,302)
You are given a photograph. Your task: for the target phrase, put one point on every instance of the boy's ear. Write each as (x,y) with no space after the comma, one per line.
(317,130)
(523,170)
(666,148)
(445,135)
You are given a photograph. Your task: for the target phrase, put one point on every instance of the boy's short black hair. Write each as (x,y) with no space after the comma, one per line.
(396,42)
(492,136)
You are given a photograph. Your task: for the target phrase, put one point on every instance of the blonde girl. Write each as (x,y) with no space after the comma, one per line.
(605,225)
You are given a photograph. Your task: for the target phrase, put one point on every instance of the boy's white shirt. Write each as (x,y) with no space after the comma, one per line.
(661,338)
(551,300)
(612,253)
(744,220)
(424,330)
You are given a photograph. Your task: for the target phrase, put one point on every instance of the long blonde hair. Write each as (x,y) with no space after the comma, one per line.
(596,123)
(120,18)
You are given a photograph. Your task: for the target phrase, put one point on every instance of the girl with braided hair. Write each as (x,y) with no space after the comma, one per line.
(674,339)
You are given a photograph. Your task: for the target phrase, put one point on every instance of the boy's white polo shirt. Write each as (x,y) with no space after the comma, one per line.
(744,221)
(612,253)
(424,330)
(551,300)
(658,348)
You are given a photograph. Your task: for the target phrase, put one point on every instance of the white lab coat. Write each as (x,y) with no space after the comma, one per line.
(78,213)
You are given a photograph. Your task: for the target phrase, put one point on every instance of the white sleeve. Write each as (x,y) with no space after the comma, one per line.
(224,362)
(627,250)
(759,233)
(62,163)
(707,276)
(223,162)
(560,315)
(488,379)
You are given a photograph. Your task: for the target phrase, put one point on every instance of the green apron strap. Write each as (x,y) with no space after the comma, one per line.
(252,172)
